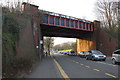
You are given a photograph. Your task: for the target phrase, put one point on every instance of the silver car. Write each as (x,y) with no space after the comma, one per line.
(81,54)
(96,55)
(116,56)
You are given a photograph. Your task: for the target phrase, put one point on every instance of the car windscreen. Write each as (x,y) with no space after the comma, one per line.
(96,52)
(72,51)
(82,52)
(117,52)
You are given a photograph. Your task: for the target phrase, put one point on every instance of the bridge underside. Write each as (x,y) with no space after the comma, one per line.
(55,31)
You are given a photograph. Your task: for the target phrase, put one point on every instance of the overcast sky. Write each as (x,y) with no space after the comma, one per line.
(83,9)
(75,8)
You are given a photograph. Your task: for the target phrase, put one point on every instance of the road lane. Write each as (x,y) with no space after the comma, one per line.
(76,69)
(101,65)
(73,67)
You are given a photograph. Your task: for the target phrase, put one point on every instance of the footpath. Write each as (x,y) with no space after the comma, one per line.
(45,69)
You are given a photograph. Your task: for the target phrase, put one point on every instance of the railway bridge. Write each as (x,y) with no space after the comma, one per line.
(89,35)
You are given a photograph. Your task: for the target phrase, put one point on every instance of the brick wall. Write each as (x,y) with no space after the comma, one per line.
(99,40)
(25,45)
(84,45)
(104,42)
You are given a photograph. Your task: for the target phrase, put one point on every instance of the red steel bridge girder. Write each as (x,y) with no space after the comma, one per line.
(75,24)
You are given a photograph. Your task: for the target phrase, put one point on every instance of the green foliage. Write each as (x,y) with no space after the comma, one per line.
(12,63)
(10,31)
(74,46)
(65,46)
(113,32)
(10,25)
(48,43)
(10,36)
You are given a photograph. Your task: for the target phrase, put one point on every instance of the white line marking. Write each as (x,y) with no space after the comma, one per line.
(81,64)
(87,66)
(77,62)
(107,64)
(96,69)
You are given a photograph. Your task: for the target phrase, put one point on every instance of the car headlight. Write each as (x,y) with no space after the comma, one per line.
(96,56)
(104,56)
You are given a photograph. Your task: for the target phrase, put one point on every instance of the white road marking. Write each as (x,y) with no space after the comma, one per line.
(96,69)
(73,61)
(87,66)
(81,64)
(77,62)
(107,64)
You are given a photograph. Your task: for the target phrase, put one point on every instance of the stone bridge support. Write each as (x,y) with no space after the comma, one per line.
(104,42)
(84,45)
(36,33)
(90,42)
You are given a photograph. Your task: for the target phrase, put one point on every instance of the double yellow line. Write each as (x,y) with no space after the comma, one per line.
(64,75)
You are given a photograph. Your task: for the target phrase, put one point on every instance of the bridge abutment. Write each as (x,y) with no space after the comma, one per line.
(104,42)
(99,40)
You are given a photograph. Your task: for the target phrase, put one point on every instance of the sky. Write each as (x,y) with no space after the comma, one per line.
(83,9)
(75,8)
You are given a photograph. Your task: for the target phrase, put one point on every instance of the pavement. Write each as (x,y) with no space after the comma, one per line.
(46,69)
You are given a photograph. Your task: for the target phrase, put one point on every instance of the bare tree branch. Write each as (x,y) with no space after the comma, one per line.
(108,15)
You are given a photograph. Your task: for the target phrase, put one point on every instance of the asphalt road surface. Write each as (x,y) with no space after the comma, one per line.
(64,66)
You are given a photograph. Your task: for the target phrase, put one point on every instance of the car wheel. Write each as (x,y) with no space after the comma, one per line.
(81,56)
(113,61)
(103,59)
(93,59)
(86,58)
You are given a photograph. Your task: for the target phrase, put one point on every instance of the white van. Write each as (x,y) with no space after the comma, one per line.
(116,56)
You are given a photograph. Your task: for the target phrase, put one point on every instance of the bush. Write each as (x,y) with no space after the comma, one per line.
(9,37)
(13,63)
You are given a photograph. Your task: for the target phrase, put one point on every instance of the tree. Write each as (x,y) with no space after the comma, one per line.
(48,44)
(57,47)
(74,46)
(14,5)
(108,15)
(65,46)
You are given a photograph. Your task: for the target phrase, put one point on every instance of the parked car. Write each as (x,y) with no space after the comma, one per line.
(82,54)
(72,53)
(116,56)
(86,53)
(60,52)
(96,55)
(65,52)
